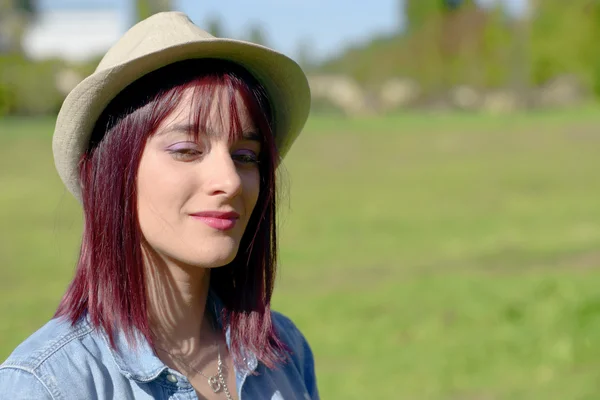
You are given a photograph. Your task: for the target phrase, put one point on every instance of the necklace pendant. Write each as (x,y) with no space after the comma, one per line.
(214,384)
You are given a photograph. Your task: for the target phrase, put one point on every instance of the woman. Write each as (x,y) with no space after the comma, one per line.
(171,146)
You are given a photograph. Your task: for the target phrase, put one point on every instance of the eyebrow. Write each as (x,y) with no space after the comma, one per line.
(186,128)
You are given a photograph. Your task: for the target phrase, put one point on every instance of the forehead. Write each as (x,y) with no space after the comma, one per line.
(218,108)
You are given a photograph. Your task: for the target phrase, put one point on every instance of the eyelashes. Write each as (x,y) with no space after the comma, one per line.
(246,158)
(185,154)
(188,152)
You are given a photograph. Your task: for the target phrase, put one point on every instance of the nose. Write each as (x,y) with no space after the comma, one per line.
(222,175)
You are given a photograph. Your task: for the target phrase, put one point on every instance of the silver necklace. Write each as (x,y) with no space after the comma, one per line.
(215,382)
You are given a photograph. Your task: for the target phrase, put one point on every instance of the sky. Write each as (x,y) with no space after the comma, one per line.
(327,25)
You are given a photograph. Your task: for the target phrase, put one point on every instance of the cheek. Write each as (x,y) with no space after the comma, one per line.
(251,189)
(157,191)
(148,183)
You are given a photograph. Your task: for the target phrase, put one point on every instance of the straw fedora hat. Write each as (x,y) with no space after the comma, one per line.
(155,42)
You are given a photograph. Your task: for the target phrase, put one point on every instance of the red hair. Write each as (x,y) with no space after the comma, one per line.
(109,283)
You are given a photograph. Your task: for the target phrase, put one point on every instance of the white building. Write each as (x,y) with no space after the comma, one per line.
(74,33)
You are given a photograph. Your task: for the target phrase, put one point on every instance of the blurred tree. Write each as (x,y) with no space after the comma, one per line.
(563,39)
(420,12)
(453,4)
(15,15)
(28,6)
(305,54)
(593,53)
(256,34)
(496,49)
(145,8)
(461,40)
(215,27)
(449,43)
(421,42)
(447,37)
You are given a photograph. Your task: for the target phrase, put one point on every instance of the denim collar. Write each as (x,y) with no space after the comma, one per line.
(138,361)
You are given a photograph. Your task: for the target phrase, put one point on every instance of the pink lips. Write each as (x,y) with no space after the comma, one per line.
(222,221)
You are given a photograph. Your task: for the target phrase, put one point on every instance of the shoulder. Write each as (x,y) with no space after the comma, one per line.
(289,333)
(48,356)
(51,338)
(301,353)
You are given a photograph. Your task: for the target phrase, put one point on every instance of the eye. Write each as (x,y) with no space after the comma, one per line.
(246,157)
(184,151)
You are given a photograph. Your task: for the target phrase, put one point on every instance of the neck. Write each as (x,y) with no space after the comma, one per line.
(177,297)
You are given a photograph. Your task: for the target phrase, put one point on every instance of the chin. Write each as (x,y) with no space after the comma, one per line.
(216,262)
(212,257)
(212,253)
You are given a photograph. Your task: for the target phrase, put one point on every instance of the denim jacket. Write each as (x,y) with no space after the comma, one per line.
(62,361)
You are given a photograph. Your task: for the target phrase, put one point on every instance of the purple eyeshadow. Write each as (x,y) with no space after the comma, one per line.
(181,146)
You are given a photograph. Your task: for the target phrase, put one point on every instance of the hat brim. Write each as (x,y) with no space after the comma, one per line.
(283,79)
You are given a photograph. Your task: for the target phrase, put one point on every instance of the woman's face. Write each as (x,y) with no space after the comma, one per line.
(195,198)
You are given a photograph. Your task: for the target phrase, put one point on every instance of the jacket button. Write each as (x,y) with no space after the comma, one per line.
(172,378)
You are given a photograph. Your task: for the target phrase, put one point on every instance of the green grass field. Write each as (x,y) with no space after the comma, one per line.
(424,257)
